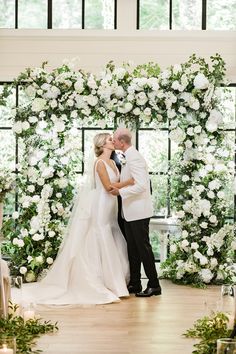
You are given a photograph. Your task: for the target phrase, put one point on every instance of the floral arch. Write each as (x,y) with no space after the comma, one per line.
(62,100)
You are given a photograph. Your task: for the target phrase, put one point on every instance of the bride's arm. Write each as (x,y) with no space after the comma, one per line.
(103,175)
(128,182)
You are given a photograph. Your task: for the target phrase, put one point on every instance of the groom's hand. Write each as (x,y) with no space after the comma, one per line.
(114,191)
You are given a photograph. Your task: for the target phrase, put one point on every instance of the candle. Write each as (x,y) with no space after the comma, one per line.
(28,315)
(6,350)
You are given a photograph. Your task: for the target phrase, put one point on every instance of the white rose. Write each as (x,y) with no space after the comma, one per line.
(136,111)
(220,194)
(200,81)
(185,178)
(39,259)
(194,246)
(39,104)
(23,270)
(49,260)
(15,215)
(184,243)
(173,248)
(211,194)
(51,233)
(204,225)
(213,219)
(184,233)
(17,127)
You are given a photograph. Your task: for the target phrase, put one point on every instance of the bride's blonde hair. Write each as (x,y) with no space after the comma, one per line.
(99,141)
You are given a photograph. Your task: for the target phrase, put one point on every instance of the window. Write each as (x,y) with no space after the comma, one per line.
(82,14)
(186,14)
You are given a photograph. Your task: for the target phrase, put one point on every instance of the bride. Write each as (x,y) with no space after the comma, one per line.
(92,265)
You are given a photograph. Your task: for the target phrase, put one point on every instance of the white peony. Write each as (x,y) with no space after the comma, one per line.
(200,82)
(38,104)
(206,275)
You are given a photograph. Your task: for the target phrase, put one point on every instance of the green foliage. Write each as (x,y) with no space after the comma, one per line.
(208,329)
(26,333)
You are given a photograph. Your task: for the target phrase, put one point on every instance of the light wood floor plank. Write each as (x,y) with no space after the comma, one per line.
(134,326)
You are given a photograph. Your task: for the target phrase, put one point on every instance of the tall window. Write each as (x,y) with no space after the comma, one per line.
(186,14)
(82,14)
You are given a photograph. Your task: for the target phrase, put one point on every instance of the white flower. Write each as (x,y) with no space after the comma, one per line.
(213,219)
(49,260)
(184,243)
(23,270)
(17,127)
(173,248)
(200,82)
(204,225)
(38,104)
(206,275)
(220,194)
(211,194)
(15,215)
(185,178)
(177,135)
(215,184)
(39,259)
(184,233)
(51,233)
(194,246)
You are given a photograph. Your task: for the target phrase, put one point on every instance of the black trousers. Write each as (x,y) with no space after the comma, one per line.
(140,251)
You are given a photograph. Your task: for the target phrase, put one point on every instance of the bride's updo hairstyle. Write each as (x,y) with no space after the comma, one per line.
(99,141)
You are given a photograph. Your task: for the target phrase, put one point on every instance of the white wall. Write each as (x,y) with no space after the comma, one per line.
(29,48)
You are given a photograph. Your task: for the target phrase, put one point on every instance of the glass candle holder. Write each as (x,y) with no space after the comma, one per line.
(29,312)
(7,345)
(226,345)
(16,289)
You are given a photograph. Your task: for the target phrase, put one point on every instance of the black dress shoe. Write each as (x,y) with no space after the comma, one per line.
(134,289)
(149,292)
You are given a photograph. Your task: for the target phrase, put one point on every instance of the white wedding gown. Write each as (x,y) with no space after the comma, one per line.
(92,267)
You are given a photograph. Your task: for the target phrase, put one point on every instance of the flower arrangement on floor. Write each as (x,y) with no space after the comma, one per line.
(208,329)
(61,101)
(26,332)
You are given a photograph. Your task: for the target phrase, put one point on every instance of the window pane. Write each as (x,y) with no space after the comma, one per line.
(67,14)
(159,194)
(99,14)
(9,203)
(7,148)
(155,237)
(32,14)
(154,14)
(7,13)
(5,111)
(153,145)
(187,14)
(221,15)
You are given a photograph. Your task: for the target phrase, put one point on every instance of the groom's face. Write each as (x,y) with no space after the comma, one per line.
(117,143)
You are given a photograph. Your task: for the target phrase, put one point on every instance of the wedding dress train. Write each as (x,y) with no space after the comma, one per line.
(92,266)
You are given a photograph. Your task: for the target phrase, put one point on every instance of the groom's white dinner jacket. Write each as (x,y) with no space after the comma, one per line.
(136,199)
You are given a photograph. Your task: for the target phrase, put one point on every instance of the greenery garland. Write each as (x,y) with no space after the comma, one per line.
(60,102)
(25,332)
(208,329)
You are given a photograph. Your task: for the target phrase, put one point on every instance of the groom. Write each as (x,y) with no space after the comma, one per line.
(137,210)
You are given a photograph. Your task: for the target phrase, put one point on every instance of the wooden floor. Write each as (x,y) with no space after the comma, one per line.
(133,326)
